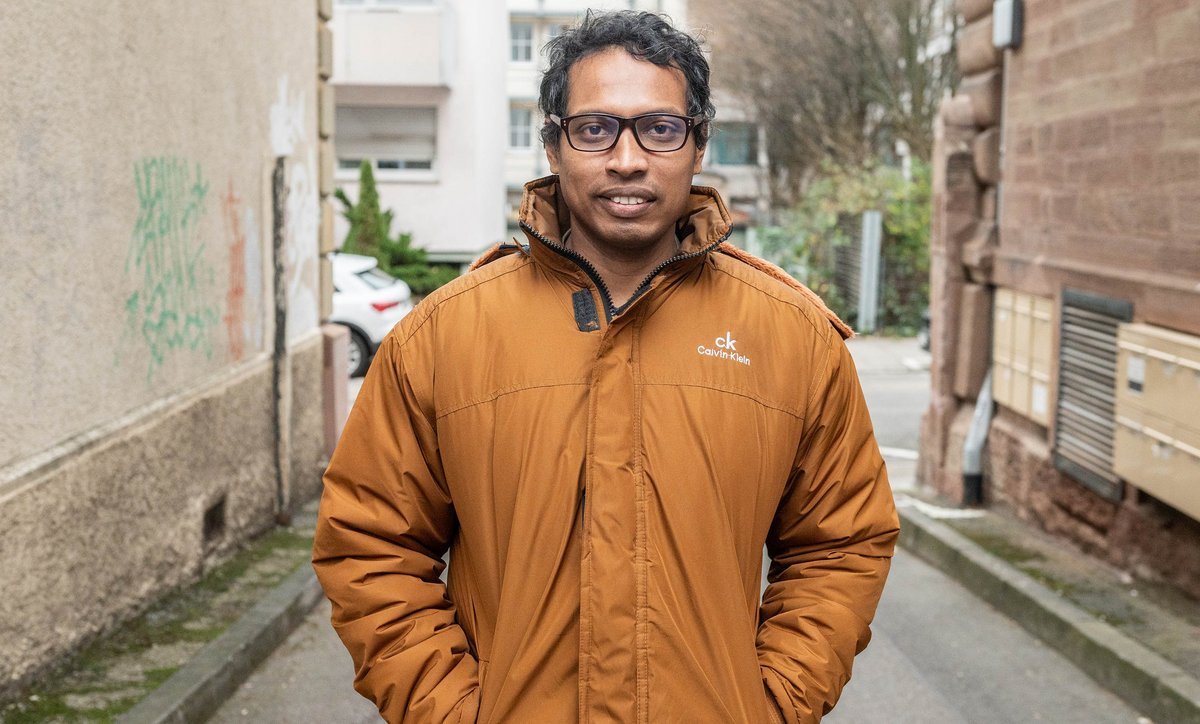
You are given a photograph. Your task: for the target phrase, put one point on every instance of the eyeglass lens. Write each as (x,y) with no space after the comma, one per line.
(599,133)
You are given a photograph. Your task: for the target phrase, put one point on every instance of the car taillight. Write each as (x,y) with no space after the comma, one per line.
(384,306)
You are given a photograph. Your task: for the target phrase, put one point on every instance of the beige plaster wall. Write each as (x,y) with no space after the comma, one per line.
(136,296)
(136,239)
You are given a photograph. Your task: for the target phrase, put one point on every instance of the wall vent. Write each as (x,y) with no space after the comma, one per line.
(213,527)
(1087,383)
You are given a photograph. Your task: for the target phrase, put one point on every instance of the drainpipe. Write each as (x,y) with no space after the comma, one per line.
(981,421)
(280,369)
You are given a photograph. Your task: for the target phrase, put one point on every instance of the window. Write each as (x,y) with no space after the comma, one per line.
(376,278)
(520,128)
(386,3)
(553,30)
(734,144)
(392,139)
(521,45)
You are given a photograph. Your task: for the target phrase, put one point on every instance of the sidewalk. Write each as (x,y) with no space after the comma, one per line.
(1137,640)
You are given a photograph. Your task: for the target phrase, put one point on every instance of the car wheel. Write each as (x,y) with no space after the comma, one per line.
(360,355)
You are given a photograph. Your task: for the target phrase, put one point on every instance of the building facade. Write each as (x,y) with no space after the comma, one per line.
(441,98)
(419,89)
(161,387)
(1066,261)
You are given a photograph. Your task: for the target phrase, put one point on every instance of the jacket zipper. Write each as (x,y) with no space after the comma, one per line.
(582,263)
(609,310)
(645,285)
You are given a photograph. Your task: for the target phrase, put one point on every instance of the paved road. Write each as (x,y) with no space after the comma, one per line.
(939,655)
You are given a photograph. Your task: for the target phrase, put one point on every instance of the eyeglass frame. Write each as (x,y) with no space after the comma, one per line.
(693,123)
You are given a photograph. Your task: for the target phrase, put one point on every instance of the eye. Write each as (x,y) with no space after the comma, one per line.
(593,129)
(664,127)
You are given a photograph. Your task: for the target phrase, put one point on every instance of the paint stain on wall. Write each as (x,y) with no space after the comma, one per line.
(253,324)
(288,138)
(171,308)
(235,309)
(243,300)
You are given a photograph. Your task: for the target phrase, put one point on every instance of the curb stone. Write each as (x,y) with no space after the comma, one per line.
(1142,678)
(194,692)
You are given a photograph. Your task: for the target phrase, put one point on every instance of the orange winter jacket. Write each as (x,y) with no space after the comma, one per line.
(605,481)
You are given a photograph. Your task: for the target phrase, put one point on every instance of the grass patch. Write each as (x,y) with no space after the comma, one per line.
(1057,585)
(1002,547)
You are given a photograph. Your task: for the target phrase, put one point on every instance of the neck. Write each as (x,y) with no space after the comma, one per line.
(622,270)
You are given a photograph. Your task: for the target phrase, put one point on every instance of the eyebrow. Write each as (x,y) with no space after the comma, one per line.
(670,111)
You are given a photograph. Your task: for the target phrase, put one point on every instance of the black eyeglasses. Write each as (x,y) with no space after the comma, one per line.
(656,132)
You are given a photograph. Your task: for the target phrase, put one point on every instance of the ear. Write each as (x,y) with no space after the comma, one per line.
(552,155)
(697,166)
(702,131)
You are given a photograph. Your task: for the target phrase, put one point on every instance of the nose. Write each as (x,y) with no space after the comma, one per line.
(627,158)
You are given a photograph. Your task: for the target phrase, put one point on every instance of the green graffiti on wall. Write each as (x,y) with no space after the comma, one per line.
(170,308)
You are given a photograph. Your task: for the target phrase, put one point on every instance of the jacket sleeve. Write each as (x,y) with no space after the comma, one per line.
(830,546)
(385,521)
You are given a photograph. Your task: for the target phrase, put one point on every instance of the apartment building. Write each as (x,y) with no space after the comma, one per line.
(441,97)
(419,92)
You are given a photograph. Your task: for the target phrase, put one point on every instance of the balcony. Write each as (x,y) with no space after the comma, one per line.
(379,45)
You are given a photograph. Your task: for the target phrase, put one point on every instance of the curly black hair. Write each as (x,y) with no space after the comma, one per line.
(643,35)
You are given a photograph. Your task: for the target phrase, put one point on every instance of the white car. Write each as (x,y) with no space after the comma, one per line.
(368,301)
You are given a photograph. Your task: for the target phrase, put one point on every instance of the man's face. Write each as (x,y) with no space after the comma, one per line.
(599,186)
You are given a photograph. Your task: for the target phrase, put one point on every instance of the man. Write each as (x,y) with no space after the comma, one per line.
(604,427)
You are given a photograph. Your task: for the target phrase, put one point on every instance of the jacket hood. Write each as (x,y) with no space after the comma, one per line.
(703,228)
(705,223)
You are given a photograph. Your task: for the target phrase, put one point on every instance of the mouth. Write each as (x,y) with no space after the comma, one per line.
(627,203)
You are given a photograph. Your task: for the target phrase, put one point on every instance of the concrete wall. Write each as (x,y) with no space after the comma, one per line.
(138,287)
(1097,189)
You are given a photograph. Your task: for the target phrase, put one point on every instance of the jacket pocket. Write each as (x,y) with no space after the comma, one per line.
(483,668)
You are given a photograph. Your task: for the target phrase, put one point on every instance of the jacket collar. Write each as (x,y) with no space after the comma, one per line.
(544,217)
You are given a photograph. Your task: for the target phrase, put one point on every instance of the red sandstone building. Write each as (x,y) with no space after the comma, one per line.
(1066,262)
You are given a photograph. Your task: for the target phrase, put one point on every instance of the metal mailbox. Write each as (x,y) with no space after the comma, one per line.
(1156,445)
(1021,350)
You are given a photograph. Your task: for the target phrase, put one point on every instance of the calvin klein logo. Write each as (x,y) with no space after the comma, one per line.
(724,348)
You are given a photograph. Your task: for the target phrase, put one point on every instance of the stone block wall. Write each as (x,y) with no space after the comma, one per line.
(966,167)
(1074,162)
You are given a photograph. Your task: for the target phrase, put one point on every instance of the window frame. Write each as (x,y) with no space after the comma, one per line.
(514,128)
(719,147)
(410,169)
(520,46)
